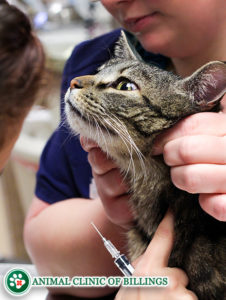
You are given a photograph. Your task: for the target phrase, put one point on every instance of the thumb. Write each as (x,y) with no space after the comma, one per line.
(158,252)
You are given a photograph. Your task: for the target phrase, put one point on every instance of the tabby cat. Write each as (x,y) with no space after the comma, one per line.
(123,108)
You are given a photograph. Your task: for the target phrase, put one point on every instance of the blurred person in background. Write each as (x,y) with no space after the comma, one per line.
(21,70)
(58,235)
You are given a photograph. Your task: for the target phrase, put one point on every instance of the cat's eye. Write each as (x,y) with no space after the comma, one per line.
(125,85)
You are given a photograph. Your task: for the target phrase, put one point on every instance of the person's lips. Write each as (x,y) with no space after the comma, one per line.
(139,23)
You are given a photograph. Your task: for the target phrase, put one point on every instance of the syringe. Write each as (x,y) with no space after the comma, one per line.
(121,261)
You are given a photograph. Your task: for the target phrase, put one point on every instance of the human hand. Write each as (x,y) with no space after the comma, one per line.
(154,263)
(195,150)
(112,190)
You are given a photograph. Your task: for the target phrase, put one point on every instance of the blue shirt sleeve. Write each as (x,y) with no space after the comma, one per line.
(64,170)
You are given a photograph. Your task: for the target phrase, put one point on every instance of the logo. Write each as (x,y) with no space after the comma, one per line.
(17,282)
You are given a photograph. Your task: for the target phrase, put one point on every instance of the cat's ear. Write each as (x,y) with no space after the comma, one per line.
(208,84)
(124,48)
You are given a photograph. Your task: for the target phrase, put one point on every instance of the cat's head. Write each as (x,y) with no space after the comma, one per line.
(128,102)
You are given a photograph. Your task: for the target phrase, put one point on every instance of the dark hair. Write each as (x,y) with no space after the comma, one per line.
(21,66)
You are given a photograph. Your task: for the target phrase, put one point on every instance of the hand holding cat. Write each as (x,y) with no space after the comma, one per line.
(195,149)
(110,186)
(154,263)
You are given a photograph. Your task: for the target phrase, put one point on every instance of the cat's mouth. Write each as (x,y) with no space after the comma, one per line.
(76,111)
(89,121)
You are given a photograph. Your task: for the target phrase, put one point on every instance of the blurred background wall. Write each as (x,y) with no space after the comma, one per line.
(60,25)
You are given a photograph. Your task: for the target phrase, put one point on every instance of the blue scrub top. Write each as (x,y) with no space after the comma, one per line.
(64,170)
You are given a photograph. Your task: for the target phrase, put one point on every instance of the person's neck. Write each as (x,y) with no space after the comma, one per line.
(185,66)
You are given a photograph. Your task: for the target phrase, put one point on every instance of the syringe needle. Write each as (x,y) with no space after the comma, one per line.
(108,244)
(98,231)
(120,259)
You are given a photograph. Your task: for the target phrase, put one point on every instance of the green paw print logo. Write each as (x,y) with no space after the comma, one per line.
(17,282)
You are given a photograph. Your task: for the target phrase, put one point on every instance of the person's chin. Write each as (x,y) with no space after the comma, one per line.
(154,43)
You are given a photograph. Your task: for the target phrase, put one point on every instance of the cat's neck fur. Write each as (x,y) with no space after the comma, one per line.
(146,173)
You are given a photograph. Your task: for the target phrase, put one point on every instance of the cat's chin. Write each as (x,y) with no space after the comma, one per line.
(87,126)
(80,125)
(107,142)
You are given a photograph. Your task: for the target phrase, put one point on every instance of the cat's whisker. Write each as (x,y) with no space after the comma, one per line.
(130,138)
(98,131)
(132,143)
(126,142)
(102,133)
(64,123)
(136,149)
(107,130)
(90,128)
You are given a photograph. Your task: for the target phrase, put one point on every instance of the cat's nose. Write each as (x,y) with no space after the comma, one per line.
(82,82)
(76,84)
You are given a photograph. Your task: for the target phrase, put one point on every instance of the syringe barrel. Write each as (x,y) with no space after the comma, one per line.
(124,265)
(111,248)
